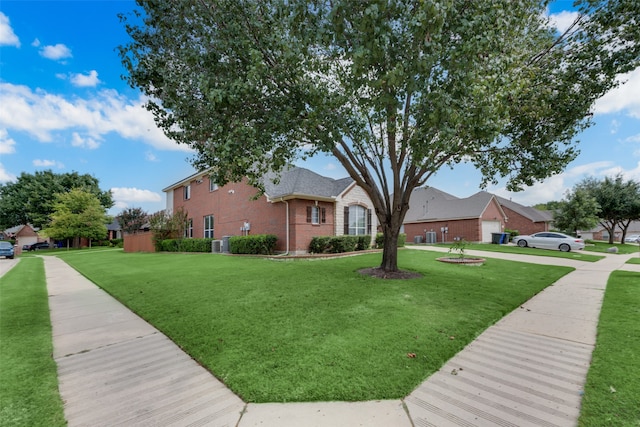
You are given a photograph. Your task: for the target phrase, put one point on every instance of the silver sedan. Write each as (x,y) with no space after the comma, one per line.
(550,240)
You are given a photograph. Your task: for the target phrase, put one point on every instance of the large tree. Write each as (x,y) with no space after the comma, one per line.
(394,89)
(77,214)
(579,211)
(618,200)
(131,220)
(30,199)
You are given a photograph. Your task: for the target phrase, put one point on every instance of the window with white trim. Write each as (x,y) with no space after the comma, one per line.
(208,227)
(188,231)
(357,220)
(187,192)
(212,185)
(316,215)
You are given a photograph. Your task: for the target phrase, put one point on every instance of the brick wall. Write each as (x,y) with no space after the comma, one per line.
(523,224)
(469,229)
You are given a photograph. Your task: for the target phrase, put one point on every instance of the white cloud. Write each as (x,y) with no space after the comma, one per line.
(563,20)
(7,36)
(48,163)
(56,52)
(81,80)
(7,144)
(40,114)
(150,157)
(624,98)
(124,195)
(555,187)
(78,141)
(35,43)
(5,176)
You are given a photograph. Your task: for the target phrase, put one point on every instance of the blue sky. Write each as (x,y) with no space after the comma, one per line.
(64,107)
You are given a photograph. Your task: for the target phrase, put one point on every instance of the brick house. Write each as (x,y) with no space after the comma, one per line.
(300,206)
(473,219)
(525,219)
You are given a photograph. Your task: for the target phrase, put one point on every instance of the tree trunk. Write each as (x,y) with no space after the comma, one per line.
(390,251)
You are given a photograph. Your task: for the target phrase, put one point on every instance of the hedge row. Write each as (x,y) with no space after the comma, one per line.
(257,244)
(184,245)
(339,244)
(402,238)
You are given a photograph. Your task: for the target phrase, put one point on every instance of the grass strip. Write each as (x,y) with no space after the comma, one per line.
(303,330)
(612,391)
(512,249)
(28,378)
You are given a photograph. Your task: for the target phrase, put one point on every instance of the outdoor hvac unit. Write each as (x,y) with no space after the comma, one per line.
(216,246)
(431,237)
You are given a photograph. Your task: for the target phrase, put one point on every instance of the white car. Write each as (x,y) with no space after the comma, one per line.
(634,238)
(550,240)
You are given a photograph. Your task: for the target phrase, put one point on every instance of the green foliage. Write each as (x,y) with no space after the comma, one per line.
(549,206)
(77,213)
(394,90)
(28,378)
(31,198)
(117,243)
(578,212)
(402,238)
(339,244)
(166,226)
(619,201)
(255,244)
(184,245)
(459,247)
(512,233)
(131,220)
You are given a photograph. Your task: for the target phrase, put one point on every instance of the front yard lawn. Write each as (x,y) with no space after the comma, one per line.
(315,330)
(612,392)
(28,377)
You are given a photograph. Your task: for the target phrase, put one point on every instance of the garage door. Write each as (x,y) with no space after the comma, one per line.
(489,227)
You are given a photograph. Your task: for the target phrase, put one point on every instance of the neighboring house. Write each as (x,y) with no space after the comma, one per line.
(22,234)
(525,219)
(601,233)
(300,206)
(114,231)
(473,219)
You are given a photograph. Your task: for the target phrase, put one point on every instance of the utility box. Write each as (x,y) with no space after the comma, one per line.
(417,239)
(431,237)
(225,244)
(216,246)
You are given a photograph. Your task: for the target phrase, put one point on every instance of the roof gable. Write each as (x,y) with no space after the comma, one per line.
(431,204)
(296,182)
(529,212)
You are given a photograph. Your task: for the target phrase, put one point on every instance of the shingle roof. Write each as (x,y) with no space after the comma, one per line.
(533,214)
(297,181)
(430,204)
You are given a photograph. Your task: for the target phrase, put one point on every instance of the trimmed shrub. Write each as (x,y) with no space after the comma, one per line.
(512,233)
(184,245)
(402,238)
(338,244)
(258,244)
(117,243)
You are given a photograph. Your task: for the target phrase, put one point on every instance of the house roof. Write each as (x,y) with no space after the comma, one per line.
(296,182)
(529,212)
(114,226)
(431,204)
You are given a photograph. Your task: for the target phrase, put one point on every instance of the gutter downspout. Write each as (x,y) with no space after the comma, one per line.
(287,222)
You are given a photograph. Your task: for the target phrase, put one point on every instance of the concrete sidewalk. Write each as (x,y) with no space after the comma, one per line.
(116,369)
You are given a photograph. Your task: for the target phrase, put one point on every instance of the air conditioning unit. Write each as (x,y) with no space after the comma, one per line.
(216,246)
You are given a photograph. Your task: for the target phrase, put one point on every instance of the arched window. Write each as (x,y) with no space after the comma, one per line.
(357,220)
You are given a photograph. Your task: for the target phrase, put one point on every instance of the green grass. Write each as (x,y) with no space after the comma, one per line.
(612,391)
(303,330)
(511,249)
(28,377)
(634,260)
(623,248)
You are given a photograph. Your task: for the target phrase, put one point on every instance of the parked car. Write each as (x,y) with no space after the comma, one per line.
(550,240)
(25,247)
(634,238)
(38,246)
(6,250)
